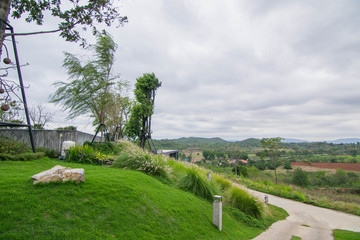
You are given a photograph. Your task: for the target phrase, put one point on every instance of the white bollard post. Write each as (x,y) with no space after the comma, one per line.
(217,212)
(209,176)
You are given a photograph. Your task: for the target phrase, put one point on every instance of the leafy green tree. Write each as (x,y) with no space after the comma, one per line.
(287,165)
(89,90)
(139,125)
(272,145)
(241,170)
(300,178)
(72,15)
(118,111)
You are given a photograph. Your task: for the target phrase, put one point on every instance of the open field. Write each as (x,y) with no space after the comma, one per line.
(344,166)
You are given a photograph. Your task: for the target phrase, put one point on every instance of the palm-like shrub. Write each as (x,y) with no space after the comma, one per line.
(242,200)
(197,184)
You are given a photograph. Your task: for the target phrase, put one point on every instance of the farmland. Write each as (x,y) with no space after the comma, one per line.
(345,166)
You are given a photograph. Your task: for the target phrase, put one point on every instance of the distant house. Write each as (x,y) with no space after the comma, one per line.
(235,161)
(169,153)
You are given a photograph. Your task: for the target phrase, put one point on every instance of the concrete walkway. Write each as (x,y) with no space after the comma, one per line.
(319,221)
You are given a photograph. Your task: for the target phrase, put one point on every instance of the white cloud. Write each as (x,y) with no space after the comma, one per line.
(232,69)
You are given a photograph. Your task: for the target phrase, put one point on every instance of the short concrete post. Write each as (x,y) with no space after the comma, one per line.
(266,199)
(217,212)
(208,176)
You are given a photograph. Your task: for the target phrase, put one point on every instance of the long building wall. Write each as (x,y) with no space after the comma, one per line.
(51,139)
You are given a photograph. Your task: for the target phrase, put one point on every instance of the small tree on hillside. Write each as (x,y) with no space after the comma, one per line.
(139,125)
(118,111)
(272,145)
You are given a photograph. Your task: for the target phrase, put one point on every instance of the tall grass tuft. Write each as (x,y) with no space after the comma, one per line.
(242,200)
(197,184)
(136,159)
(223,183)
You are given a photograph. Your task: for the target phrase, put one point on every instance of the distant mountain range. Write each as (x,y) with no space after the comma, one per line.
(337,141)
(252,141)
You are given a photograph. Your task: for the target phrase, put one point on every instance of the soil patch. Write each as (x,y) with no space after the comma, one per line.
(345,166)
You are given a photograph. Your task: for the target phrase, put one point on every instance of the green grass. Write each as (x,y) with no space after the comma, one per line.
(245,202)
(112,203)
(197,185)
(345,235)
(295,238)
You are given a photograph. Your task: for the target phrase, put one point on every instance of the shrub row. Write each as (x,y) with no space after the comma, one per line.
(27,156)
(13,147)
(86,154)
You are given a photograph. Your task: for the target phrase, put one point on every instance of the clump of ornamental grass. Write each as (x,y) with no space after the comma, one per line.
(245,202)
(196,184)
(135,158)
(223,183)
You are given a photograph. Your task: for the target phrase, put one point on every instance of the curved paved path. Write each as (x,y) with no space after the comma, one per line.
(320,221)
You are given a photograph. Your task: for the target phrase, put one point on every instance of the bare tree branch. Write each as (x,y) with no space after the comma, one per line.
(31,33)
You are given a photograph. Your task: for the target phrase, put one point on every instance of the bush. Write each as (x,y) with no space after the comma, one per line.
(105,148)
(81,154)
(197,185)
(48,152)
(241,170)
(28,156)
(287,165)
(7,157)
(11,146)
(242,200)
(300,178)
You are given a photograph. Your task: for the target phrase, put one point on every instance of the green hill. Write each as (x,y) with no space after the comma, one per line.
(112,203)
(206,143)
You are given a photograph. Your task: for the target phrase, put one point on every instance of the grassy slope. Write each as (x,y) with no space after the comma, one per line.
(345,235)
(111,204)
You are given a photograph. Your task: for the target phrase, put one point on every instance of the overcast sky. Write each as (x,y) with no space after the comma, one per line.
(233,69)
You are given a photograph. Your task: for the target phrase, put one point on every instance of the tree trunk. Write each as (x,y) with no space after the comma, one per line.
(274,162)
(4,13)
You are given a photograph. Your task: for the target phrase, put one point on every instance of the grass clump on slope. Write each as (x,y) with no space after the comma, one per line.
(245,202)
(195,183)
(134,158)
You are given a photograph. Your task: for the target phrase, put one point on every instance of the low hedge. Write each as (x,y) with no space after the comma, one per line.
(27,156)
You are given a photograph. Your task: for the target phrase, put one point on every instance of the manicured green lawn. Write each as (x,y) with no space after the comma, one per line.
(345,235)
(112,203)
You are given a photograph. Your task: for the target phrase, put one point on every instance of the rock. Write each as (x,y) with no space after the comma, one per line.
(59,173)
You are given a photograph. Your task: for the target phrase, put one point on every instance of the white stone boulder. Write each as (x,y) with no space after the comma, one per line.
(59,173)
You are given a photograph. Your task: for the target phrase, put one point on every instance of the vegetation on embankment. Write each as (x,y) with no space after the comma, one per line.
(345,235)
(112,203)
(330,198)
